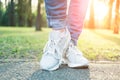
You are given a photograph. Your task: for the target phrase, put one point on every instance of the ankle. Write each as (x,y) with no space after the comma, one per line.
(61,30)
(73,41)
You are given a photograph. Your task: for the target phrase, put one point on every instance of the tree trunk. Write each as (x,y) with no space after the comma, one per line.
(5,3)
(109,18)
(116,27)
(39,17)
(21,12)
(12,14)
(1,12)
(29,17)
(91,20)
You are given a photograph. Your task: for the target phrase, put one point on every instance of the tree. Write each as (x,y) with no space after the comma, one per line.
(21,12)
(24,12)
(6,3)
(116,27)
(91,20)
(109,18)
(29,12)
(1,11)
(8,18)
(11,13)
(39,16)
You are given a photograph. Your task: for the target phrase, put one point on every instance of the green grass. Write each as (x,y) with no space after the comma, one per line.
(100,44)
(21,42)
(26,43)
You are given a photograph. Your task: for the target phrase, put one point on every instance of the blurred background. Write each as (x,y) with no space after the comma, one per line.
(24,32)
(28,13)
(22,13)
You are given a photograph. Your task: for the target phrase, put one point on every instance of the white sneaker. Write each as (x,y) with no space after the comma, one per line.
(54,50)
(75,59)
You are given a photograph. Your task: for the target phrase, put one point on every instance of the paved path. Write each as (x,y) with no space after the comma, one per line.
(30,71)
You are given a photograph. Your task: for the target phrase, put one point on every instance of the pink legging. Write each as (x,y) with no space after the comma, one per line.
(58,19)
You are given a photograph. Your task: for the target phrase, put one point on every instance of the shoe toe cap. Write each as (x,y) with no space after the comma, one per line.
(48,62)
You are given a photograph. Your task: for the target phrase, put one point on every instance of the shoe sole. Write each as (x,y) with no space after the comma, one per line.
(80,67)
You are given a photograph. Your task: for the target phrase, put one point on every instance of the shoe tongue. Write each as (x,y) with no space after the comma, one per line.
(72,43)
(56,35)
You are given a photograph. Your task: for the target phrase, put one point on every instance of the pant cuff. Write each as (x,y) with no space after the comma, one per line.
(56,23)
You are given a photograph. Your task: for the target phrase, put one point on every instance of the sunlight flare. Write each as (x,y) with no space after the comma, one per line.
(100,10)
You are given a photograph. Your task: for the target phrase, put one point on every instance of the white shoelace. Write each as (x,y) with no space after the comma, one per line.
(51,46)
(74,49)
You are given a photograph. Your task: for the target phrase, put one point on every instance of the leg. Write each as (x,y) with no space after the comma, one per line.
(56,13)
(58,40)
(76,15)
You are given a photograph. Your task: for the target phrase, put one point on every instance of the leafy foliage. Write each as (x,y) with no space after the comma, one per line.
(19,13)
(1,11)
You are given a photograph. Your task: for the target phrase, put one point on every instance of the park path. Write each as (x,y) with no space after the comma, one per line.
(29,70)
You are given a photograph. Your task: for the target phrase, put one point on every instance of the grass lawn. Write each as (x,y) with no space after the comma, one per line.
(25,43)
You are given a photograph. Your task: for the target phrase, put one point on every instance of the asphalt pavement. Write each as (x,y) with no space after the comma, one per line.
(30,70)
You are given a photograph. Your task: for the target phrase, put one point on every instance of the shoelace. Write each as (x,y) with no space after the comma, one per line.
(50,48)
(74,49)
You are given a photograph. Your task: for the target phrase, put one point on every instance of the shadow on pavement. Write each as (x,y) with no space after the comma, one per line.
(63,73)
